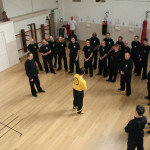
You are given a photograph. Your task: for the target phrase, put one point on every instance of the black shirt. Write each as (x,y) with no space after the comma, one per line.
(126,67)
(61,47)
(74,47)
(31,69)
(88,50)
(121,45)
(144,52)
(125,50)
(116,57)
(33,48)
(53,46)
(109,43)
(103,51)
(136,46)
(44,49)
(135,128)
(94,41)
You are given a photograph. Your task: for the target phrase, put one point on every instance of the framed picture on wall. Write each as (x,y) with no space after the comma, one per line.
(76,0)
(100,0)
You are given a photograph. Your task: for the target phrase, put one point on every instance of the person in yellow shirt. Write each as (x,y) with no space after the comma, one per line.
(79,86)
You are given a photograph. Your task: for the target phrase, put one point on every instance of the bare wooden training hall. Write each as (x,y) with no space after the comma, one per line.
(48,122)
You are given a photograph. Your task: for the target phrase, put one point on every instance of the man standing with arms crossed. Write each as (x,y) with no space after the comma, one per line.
(79,86)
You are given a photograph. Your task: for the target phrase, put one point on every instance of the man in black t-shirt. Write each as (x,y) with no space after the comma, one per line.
(46,53)
(53,47)
(88,57)
(109,45)
(136,47)
(34,48)
(95,42)
(103,59)
(74,49)
(125,49)
(135,129)
(116,57)
(120,43)
(144,53)
(33,75)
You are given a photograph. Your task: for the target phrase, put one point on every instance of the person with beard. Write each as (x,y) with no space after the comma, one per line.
(34,48)
(47,56)
(53,46)
(120,43)
(136,47)
(33,75)
(103,60)
(144,53)
(115,61)
(88,57)
(95,42)
(126,74)
(135,129)
(61,45)
(109,44)
(74,49)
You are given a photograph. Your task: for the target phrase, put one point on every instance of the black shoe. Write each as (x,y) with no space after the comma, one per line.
(148,104)
(105,76)
(54,72)
(70,72)
(128,94)
(120,89)
(99,74)
(148,132)
(66,70)
(42,91)
(47,72)
(41,69)
(58,69)
(114,80)
(146,97)
(149,123)
(35,95)
(91,75)
(143,79)
(137,75)
(109,80)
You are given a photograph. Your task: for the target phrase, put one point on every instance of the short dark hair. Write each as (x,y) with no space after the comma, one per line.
(28,54)
(108,33)
(136,36)
(145,40)
(116,45)
(140,110)
(87,40)
(72,37)
(121,37)
(82,71)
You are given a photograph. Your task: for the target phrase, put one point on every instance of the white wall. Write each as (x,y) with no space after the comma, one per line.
(125,10)
(21,7)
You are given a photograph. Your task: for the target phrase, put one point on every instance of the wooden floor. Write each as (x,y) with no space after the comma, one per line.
(48,122)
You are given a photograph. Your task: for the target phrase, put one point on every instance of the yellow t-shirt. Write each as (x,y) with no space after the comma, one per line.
(79,83)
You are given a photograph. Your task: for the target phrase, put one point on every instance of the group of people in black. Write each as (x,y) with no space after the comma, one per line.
(109,57)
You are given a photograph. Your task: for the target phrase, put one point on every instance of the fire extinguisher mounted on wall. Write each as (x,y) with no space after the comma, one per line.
(104,24)
(144,30)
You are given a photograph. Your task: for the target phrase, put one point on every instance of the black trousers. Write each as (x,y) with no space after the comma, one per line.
(78,100)
(89,65)
(113,72)
(36,59)
(148,88)
(36,82)
(126,80)
(143,65)
(72,62)
(136,65)
(46,61)
(55,57)
(103,67)
(95,54)
(60,57)
(109,60)
(132,145)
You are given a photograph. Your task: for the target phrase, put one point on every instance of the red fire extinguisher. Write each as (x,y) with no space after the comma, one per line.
(105,24)
(144,30)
